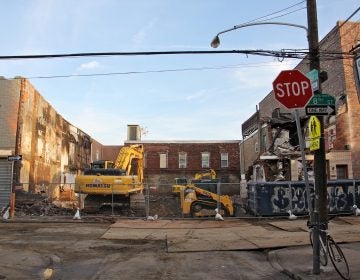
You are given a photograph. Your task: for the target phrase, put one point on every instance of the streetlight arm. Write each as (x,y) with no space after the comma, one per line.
(216,41)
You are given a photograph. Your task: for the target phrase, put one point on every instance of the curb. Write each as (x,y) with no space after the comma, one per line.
(274,261)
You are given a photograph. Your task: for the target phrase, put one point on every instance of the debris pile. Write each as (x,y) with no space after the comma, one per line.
(165,206)
(30,204)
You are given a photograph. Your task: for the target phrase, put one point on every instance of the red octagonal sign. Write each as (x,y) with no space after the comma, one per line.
(292,89)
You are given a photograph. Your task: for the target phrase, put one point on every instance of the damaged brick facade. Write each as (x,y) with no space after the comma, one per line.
(50,146)
(342,136)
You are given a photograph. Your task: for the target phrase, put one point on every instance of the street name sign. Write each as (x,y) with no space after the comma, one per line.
(321,105)
(292,89)
(14,158)
(313,75)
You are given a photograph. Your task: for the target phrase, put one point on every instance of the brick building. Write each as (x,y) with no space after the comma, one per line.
(342,137)
(52,149)
(166,160)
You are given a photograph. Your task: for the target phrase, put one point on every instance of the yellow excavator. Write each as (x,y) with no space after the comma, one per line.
(109,183)
(200,199)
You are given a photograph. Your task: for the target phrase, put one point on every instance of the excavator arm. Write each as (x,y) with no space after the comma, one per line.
(126,156)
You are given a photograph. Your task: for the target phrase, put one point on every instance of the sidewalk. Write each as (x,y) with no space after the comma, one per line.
(297,262)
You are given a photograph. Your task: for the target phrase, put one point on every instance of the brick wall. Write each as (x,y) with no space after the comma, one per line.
(9,105)
(51,146)
(249,154)
(350,37)
(156,175)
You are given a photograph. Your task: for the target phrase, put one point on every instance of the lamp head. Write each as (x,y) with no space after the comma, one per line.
(215,42)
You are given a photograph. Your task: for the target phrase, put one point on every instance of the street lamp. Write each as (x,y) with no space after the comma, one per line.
(216,41)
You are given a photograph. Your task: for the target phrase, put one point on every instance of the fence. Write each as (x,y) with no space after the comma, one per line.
(62,200)
(261,199)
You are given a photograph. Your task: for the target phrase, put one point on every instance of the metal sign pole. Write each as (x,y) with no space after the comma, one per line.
(316,247)
(303,159)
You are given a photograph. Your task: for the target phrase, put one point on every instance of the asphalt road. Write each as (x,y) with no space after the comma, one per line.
(34,250)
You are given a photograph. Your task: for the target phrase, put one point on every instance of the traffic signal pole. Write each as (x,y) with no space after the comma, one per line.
(320,210)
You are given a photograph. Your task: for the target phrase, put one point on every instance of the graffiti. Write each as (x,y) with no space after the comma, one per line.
(290,197)
(340,198)
(279,198)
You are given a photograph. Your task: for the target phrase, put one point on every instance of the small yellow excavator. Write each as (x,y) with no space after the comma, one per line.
(200,199)
(109,183)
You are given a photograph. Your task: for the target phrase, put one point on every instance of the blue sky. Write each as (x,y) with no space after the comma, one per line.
(196,104)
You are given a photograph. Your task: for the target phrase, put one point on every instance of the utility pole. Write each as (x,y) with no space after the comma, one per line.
(320,212)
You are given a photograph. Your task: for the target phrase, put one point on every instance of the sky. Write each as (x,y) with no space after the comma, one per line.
(172,97)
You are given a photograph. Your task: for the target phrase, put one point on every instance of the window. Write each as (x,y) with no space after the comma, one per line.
(182,160)
(224,159)
(163,160)
(341,172)
(205,160)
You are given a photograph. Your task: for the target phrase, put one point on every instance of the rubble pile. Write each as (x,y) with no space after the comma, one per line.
(165,206)
(31,204)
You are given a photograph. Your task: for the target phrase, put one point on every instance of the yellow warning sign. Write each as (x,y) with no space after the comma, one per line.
(314,133)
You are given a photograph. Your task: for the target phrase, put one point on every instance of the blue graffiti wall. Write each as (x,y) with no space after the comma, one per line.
(276,198)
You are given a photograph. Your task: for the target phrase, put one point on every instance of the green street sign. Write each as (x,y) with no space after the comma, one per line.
(321,105)
(313,75)
(322,99)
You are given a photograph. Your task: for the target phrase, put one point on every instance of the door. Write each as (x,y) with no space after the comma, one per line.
(5,182)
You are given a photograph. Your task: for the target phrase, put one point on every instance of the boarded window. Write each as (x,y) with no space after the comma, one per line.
(163,160)
(205,160)
(224,160)
(182,160)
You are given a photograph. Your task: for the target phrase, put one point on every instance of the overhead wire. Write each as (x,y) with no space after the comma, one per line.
(295,53)
(236,66)
(331,39)
(276,12)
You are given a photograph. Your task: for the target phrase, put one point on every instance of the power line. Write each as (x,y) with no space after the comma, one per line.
(337,29)
(282,53)
(284,14)
(302,54)
(245,65)
(50,56)
(276,12)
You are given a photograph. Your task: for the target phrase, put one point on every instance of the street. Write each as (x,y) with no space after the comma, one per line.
(163,249)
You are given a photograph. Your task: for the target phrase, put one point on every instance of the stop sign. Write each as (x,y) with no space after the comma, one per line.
(292,89)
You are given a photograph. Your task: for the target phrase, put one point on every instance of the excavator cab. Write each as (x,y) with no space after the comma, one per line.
(102,164)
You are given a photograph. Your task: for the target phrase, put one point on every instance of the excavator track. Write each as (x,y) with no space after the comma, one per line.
(206,209)
(137,202)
